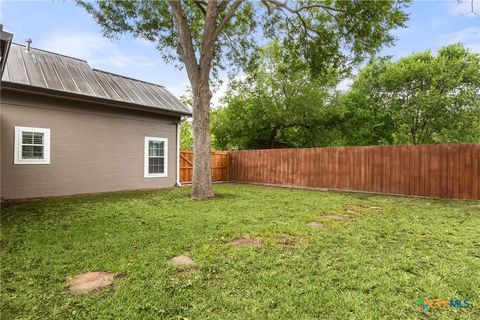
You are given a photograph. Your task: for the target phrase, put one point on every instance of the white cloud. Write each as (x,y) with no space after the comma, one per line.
(464,8)
(97,50)
(470,37)
(464,35)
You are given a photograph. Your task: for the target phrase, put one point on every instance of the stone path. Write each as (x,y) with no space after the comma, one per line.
(90,281)
(181,261)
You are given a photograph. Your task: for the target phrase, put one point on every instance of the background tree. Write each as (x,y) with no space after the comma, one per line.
(186,135)
(278,104)
(205,36)
(422,98)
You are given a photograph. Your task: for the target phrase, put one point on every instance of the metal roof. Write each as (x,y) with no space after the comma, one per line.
(52,71)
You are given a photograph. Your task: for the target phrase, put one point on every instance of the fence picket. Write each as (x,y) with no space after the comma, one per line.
(444,171)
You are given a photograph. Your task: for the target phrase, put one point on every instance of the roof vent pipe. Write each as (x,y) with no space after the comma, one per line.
(29,42)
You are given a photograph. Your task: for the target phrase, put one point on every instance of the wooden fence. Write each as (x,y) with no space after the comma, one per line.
(219,166)
(441,171)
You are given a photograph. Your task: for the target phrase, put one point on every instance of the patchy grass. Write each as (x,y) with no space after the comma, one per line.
(374,264)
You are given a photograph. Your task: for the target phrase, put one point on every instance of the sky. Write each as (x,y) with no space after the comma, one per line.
(62,27)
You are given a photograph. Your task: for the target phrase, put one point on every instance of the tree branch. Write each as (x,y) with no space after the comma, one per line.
(265,3)
(283,6)
(208,40)
(185,46)
(231,12)
(222,5)
(200,4)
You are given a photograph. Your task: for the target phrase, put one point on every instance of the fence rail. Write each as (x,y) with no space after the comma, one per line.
(219,166)
(441,171)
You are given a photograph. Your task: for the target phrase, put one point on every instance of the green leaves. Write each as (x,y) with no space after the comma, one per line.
(425,98)
(331,36)
(422,98)
(278,104)
(186,135)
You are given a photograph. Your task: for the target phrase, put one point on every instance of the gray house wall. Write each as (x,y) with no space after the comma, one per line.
(94,148)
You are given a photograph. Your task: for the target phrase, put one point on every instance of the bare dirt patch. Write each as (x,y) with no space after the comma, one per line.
(334,217)
(121,276)
(356,208)
(316,225)
(90,281)
(181,261)
(239,242)
(289,240)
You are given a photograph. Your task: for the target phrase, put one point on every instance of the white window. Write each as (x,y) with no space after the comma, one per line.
(32,145)
(156,157)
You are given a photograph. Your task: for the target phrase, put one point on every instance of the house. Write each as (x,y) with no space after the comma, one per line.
(69,129)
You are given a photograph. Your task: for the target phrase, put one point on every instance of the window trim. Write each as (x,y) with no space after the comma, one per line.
(18,146)
(165,156)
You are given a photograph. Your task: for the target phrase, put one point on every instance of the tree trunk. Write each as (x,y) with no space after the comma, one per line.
(202,174)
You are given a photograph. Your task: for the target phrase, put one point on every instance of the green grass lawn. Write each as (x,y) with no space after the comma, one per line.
(375,264)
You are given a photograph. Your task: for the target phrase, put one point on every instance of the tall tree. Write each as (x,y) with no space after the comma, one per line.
(277,104)
(422,98)
(205,36)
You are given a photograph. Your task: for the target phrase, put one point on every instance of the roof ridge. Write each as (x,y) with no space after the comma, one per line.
(51,52)
(130,78)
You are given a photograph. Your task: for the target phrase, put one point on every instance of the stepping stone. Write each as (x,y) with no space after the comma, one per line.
(316,225)
(334,217)
(247,242)
(90,281)
(181,261)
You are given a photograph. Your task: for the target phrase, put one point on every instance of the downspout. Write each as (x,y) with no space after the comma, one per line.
(178,184)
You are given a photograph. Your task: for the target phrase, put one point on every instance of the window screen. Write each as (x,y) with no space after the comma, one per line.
(156,157)
(32,145)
